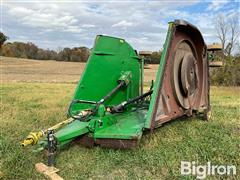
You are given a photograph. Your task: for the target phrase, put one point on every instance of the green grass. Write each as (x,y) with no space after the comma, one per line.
(32,106)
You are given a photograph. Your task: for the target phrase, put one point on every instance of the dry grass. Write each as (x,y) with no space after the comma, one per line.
(25,70)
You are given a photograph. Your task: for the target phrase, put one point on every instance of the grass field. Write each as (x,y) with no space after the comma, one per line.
(33,106)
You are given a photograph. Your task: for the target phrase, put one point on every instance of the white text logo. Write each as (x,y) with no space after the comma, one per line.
(202,171)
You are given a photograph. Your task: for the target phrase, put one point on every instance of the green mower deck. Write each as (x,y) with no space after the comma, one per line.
(109,108)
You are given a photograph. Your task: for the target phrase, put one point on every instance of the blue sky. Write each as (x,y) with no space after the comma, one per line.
(57,24)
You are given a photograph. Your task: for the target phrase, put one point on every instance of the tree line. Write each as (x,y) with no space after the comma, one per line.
(31,51)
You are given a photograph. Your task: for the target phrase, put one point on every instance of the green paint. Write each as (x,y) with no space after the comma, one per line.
(109,58)
(113,60)
(101,110)
(72,130)
(126,125)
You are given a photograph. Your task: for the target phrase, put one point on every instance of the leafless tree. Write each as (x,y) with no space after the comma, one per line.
(228,33)
(234,34)
(221,27)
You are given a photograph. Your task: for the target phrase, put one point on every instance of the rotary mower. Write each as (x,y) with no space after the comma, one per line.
(110,108)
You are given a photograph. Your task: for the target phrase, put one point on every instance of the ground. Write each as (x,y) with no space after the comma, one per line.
(24,70)
(30,106)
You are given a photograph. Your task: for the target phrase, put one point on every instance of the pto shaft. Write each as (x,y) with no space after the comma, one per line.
(34,137)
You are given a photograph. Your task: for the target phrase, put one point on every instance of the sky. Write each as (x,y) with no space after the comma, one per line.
(70,23)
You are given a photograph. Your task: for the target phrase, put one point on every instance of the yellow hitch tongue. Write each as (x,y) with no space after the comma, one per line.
(32,138)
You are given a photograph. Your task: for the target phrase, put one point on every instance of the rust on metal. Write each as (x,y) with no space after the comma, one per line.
(185,83)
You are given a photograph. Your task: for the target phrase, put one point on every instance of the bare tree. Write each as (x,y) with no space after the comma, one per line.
(234,34)
(228,33)
(221,27)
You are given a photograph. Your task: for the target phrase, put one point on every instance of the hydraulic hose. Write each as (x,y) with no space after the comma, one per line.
(97,104)
(138,98)
(121,84)
(120,107)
